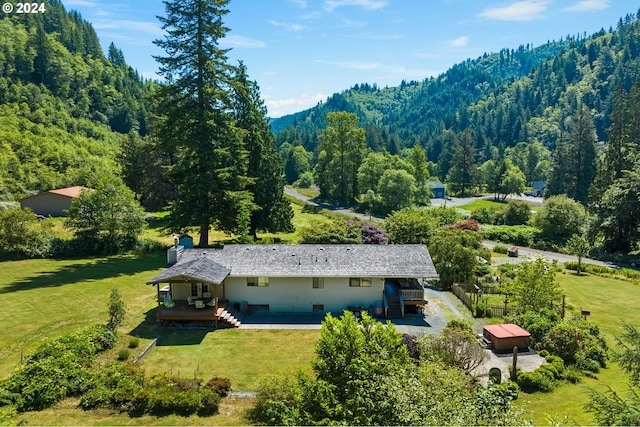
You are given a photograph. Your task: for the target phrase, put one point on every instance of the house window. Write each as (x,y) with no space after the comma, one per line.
(318,308)
(258,281)
(318,283)
(194,289)
(360,282)
(205,288)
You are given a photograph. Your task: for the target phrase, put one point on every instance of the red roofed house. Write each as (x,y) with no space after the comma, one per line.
(505,336)
(52,202)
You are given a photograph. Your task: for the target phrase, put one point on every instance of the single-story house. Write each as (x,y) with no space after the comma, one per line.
(207,284)
(437,188)
(505,336)
(53,202)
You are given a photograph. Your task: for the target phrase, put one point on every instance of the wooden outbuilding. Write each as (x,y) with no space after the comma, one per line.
(53,202)
(503,337)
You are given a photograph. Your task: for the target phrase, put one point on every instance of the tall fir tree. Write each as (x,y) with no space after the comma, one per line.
(574,162)
(615,192)
(273,212)
(464,174)
(195,121)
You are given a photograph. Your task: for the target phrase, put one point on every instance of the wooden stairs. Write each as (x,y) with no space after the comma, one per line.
(229,316)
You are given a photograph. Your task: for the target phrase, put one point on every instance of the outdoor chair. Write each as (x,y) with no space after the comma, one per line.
(168,302)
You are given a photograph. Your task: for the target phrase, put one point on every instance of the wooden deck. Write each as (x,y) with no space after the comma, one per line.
(184,311)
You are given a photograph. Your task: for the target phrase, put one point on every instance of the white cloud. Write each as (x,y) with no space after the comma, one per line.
(587,6)
(241,42)
(527,10)
(291,27)
(282,107)
(330,5)
(151,28)
(301,3)
(460,41)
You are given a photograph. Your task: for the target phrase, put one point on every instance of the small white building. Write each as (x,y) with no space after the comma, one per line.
(203,283)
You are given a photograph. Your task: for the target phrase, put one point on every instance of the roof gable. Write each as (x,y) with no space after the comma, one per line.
(201,269)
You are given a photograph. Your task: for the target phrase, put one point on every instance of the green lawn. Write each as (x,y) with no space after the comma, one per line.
(611,302)
(47,298)
(243,356)
(483,203)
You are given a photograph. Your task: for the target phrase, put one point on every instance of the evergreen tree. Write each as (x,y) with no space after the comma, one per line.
(196,126)
(615,192)
(574,163)
(464,175)
(265,164)
(342,151)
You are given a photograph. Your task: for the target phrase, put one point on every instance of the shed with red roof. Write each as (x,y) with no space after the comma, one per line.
(505,336)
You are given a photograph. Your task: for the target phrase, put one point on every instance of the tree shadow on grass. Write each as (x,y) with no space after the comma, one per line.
(150,328)
(99,269)
(176,337)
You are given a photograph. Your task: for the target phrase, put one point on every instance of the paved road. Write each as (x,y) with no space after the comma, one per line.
(524,252)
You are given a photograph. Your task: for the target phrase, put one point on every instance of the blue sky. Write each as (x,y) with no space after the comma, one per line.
(302,51)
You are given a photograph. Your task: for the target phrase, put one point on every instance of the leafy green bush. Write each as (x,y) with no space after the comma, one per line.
(576,341)
(538,323)
(499,249)
(124,354)
(522,235)
(538,380)
(487,215)
(57,369)
(516,213)
(134,342)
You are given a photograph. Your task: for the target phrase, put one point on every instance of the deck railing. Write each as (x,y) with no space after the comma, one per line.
(413,294)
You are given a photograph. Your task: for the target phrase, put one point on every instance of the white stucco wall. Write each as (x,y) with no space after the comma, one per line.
(297,295)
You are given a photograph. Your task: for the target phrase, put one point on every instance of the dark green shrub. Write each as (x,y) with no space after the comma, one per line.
(589,365)
(577,340)
(516,213)
(485,215)
(209,402)
(123,354)
(221,386)
(538,380)
(134,342)
(572,374)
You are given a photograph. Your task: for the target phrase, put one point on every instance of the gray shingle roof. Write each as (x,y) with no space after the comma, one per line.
(198,269)
(312,261)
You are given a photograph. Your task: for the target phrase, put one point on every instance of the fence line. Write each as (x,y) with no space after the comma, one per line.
(146,351)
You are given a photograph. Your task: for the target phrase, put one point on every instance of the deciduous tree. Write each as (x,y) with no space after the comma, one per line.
(342,150)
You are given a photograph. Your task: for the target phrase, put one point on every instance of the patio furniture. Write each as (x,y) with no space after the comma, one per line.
(190,300)
(199,304)
(168,302)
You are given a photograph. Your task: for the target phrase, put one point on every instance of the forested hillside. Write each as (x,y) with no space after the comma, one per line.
(506,101)
(65,107)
